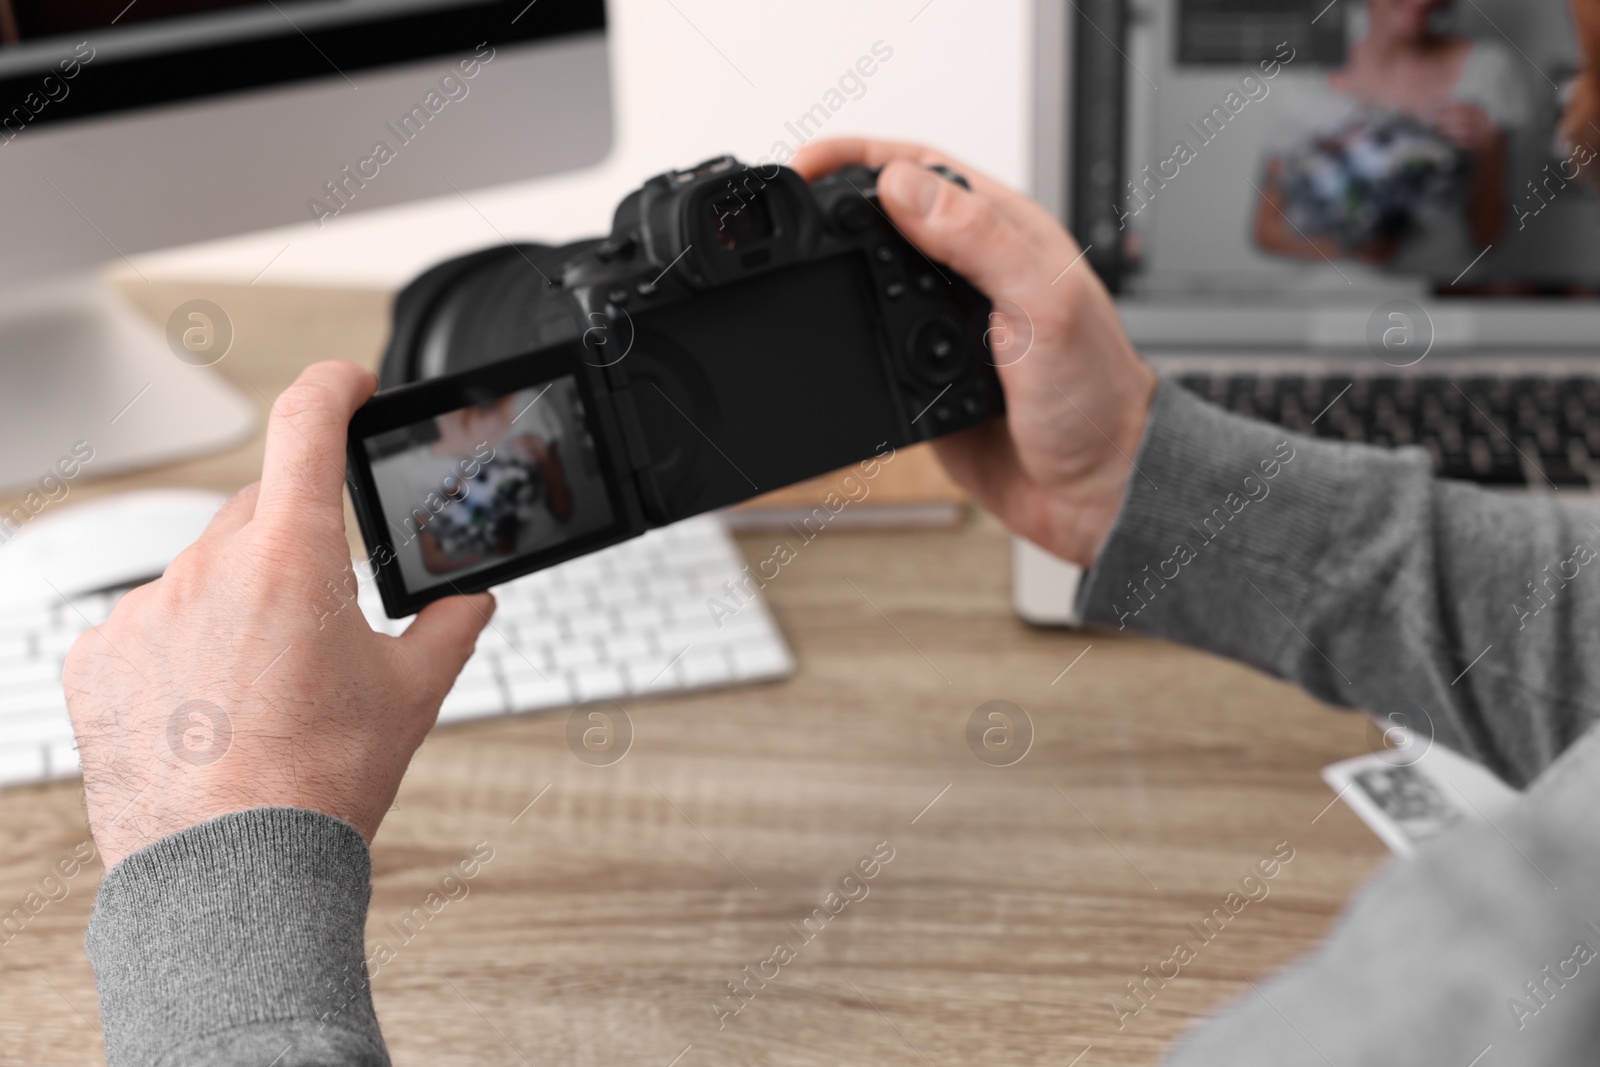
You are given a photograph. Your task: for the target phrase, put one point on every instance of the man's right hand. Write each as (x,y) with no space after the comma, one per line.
(1077,395)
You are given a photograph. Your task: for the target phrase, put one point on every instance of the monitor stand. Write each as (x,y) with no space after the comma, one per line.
(80,364)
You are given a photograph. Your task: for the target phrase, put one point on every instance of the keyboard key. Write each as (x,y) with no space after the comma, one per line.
(53,645)
(472,702)
(589,624)
(760,659)
(30,695)
(39,727)
(579,654)
(21,762)
(537,631)
(627,647)
(61,758)
(706,665)
(479,673)
(530,692)
(598,682)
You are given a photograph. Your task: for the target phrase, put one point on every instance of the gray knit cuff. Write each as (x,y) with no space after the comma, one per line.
(243,930)
(1222,529)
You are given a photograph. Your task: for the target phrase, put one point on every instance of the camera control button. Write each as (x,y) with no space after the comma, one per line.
(622,248)
(895,290)
(647,289)
(883,254)
(619,297)
(935,352)
(927,282)
(852,215)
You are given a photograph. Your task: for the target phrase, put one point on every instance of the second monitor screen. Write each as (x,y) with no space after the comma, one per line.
(476,487)
(1269,145)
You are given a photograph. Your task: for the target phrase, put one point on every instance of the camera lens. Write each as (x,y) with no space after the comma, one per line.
(936,352)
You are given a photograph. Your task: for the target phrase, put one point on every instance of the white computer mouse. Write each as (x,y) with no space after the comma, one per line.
(73,548)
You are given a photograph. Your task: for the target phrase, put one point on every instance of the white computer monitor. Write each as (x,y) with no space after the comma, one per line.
(128,127)
(1165,127)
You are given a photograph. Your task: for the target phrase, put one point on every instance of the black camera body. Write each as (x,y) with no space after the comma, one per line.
(738,331)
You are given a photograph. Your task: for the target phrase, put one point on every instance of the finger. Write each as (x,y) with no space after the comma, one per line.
(965,230)
(824,157)
(231,517)
(303,472)
(443,635)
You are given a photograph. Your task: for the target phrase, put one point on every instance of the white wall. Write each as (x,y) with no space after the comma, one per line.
(959,78)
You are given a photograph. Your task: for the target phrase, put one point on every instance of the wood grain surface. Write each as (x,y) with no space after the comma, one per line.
(1018,903)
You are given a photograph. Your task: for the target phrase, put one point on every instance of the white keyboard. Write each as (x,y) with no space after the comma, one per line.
(629,621)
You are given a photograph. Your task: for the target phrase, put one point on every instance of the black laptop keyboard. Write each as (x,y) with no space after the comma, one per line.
(1512,431)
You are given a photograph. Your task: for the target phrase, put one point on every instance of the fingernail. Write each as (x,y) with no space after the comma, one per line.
(914,187)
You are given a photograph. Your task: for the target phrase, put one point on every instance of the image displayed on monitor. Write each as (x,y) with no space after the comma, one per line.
(476,487)
(1251,161)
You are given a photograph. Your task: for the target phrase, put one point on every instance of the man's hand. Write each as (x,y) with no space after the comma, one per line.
(1077,395)
(239,679)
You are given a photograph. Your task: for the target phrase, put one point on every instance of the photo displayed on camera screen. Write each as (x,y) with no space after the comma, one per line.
(473,488)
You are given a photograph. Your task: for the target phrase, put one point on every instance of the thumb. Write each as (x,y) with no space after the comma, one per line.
(959,228)
(443,635)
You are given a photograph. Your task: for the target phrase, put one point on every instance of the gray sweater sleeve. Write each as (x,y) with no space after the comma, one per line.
(238,941)
(1355,574)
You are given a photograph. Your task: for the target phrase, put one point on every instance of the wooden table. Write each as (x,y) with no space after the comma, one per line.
(616,908)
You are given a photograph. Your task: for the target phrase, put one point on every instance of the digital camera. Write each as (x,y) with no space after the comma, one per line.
(737,331)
